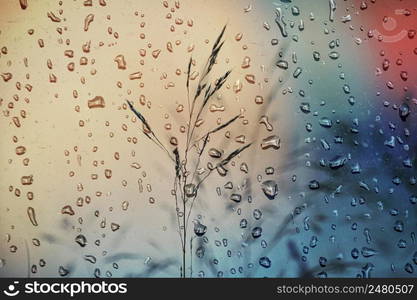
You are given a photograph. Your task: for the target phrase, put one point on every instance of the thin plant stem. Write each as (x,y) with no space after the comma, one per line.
(184,237)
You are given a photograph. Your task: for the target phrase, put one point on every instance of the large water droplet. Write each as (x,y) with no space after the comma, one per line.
(270,189)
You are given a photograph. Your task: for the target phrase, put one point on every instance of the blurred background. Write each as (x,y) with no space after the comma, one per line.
(326,96)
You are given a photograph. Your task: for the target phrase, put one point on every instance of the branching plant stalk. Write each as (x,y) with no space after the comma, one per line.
(186,185)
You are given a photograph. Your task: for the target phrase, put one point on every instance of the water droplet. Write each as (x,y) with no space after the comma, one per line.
(26,180)
(297,72)
(272,141)
(2,263)
(314,185)
(120,61)
(256,232)
(257,214)
(270,189)
(96,102)
(53,17)
(334,55)
(368,252)
(279,20)
(246,62)
(399,226)
(67,209)
(190,190)
(199,229)
(332,6)
(409,268)
(313,241)
(87,21)
(282,64)
(305,107)
(237,87)
(108,173)
(250,78)
(316,56)
(215,153)
(81,240)
(259,100)
(6,76)
(114,226)
(244,168)
(32,216)
(63,271)
(199,252)
(264,120)
(236,198)
(337,162)
(265,262)
(23,4)
(156,53)
(326,122)
(404,111)
(90,258)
